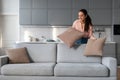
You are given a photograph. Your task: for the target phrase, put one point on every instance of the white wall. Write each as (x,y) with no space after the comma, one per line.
(9,23)
(52,33)
(9,7)
(37,32)
(10,30)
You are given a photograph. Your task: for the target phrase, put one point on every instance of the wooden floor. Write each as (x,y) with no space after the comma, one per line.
(118,74)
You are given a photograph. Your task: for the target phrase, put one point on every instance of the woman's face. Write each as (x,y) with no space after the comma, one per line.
(81,16)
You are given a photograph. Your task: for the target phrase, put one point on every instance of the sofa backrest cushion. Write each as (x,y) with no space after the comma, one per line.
(66,54)
(17,55)
(40,52)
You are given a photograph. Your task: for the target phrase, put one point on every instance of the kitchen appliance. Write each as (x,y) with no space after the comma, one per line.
(116,38)
(116,30)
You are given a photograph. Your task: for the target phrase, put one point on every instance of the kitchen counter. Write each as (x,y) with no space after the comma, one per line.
(107,42)
(110,42)
(38,42)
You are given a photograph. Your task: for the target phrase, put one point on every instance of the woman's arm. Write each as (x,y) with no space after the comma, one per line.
(73,25)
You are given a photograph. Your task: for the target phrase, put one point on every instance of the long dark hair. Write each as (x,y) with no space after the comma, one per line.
(88,20)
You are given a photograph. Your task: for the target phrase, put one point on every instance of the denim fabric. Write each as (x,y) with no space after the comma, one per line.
(81,41)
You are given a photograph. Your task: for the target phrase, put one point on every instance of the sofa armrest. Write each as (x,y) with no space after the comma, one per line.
(3,60)
(111,63)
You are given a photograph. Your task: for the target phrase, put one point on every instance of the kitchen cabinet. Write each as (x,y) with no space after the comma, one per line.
(116,4)
(116,16)
(77,5)
(59,12)
(80,4)
(116,38)
(100,4)
(33,12)
(60,17)
(59,4)
(25,12)
(39,12)
(25,16)
(101,12)
(39,4)
(101,16)
(116,12)
(25,4)
(45,12)
(74,14)
(39,16)
(64,12)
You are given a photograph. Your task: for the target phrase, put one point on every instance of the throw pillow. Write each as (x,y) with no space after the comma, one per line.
(94,47)
(70,36)
(18,55)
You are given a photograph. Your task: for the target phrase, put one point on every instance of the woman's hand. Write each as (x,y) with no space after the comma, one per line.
(92,37)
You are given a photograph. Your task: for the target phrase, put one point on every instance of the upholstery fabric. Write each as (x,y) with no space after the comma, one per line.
(70,36)
(111,64)
(46,69)
(40,52)
(81,70)
(54,78)
(30,69)
(3,60)
(66,54)
(94,47)
(18,55)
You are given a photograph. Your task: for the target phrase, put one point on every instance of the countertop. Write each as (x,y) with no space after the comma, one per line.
(107,42)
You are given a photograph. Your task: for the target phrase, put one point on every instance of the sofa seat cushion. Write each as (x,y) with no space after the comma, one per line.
(80,70)
(34,69)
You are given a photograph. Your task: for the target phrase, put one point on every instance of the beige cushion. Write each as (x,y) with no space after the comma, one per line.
(70,36)
(94,47)
(18,55)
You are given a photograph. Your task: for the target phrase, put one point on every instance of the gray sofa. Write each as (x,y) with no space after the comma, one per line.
(52,61)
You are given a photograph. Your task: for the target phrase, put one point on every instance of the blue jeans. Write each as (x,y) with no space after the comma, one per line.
(81,41)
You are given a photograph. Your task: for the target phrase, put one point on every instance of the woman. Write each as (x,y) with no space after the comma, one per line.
(84,24)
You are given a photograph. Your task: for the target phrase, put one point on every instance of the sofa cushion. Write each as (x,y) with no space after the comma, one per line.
(33,69)
(18,55)
(66,54)
(40,52)
(94,47)
(81,70)
(70,36)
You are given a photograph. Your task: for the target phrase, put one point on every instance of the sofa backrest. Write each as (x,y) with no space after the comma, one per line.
(66,54)
(40,52)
